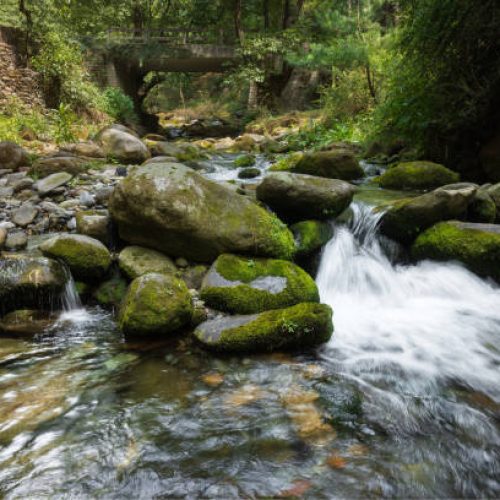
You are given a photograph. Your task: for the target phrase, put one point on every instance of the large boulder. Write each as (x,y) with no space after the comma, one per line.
(155,304)
(310,236)
(171,208)
(12,156)
(477,246)
(182,151)
(494,193)
(300,326)
(417,175)
(135,261)
(335,164)
(123,146)
(298,196)
(87,258)
(25,323)
(70,164)
(243,285)
(87,149)
(29,282)
(407,218)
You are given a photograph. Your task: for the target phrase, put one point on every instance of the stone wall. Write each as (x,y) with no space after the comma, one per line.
(16,80)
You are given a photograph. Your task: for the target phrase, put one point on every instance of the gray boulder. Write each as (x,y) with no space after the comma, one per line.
(52,182)
(12,156)
(300,196)
(123,146)
(173,209)
(135,261)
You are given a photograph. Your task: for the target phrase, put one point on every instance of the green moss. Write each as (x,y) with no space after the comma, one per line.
(245,161)
(287,163)
(482,208)
(311,235)
(110,293)
(303,325)
(476,249)
(417,175)
(247,297)
(87,258)
(155,304)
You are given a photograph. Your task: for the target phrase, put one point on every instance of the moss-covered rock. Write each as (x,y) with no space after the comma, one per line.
(300,326)
(310,236)
(110,293)
(482,208)
(417,175)
(245,161)
(29,282)
(122,145)
(335,164)
(155,304)
(135,261)
(241,285)
(87,258)
(407,218)
(249,173)
(477,246)
(494,193)
(175,210)
(287,163)
(296,196)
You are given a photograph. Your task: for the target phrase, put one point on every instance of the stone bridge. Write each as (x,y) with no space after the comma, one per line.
(129,55)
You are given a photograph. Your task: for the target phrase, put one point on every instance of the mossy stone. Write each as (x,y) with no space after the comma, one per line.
(155,304)
(301,326)
(87,258)
(243,285)
(287,162)
(110,293)
(407,218)
(310,236)
(249,173)
(335,164)
(482,208)
(134,261)
(477,246)
(417,175)
(245,161)
(25,323)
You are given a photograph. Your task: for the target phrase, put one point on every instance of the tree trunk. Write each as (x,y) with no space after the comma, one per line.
(29,26)
(253,95)
(237,21)
(371,85)
(266,15)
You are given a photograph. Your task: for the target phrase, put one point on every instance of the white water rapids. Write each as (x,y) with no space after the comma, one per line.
(407,328)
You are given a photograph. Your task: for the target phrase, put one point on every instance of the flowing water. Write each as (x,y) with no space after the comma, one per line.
(404,401)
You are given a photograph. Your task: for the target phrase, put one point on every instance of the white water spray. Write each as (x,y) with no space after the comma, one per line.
(407,327)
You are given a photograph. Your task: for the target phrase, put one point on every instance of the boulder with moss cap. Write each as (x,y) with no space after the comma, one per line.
(417,175)
(134,261)
(175,210)
(301,326)
(87,258)
(297,196)
(475,245)
(243,285)
(155,304)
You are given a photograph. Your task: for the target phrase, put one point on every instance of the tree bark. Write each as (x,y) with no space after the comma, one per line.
(237,21)
(266,15)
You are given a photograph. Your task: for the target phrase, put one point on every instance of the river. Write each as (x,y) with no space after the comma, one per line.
(404,401)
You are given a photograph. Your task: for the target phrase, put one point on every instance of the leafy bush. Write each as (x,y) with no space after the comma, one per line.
(118,105)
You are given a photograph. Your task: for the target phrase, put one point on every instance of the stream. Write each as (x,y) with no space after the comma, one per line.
(404,401)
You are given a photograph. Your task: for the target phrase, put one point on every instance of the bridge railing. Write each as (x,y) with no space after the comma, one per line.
(172,36)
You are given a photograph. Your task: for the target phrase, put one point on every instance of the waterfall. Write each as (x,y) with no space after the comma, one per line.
(70,297)
(409,327)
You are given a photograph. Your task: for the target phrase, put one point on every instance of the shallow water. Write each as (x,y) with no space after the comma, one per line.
(403,401)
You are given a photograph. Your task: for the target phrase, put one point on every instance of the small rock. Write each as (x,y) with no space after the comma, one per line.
(3,236)
(52,182)
(25,215)
(12,156)
(86,199)
(16,241)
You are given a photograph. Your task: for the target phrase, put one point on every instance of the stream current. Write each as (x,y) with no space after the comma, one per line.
(404,401)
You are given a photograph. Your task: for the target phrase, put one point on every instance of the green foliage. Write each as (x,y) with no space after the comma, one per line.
(444,75)
(118,105)
(60,63)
